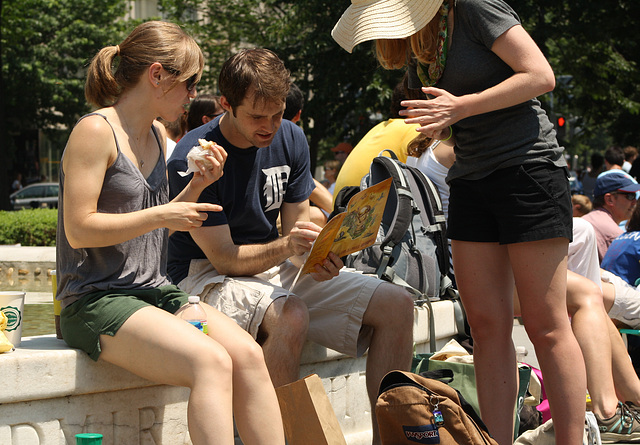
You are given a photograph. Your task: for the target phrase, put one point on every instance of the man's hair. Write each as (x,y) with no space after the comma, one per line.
(295,102)
(630,153)
(614,155)
(254,72)
(597,160)
(583,202)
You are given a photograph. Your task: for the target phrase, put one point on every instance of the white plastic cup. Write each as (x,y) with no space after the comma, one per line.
(12,304)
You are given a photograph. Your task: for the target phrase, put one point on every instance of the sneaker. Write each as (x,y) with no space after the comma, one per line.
(635,409)
(621,427)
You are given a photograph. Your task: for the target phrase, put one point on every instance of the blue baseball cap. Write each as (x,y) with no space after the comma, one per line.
(615,182)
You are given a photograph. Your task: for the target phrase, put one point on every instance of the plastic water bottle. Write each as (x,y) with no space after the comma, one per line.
(195,315)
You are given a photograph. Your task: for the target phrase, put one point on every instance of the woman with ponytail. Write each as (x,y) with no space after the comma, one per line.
(113,224)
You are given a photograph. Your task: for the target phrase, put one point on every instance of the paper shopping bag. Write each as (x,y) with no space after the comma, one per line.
(307,414)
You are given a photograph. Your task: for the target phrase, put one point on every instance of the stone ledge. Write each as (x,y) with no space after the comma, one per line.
(51,392)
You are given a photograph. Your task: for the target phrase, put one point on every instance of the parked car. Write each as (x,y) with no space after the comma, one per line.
(42,194)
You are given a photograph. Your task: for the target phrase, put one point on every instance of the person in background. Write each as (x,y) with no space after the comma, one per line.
(175,130)
(623,255)
(320,199)
(17,183)
(588,178)
(482,73)
(392,134)
(331,170)
(613,202)
(113,223)
(294,104)
(203,109)
(342,151)
(581,205)
(630,155)
(238,260)
(613,160)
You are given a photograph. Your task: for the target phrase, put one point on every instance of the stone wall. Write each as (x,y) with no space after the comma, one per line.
(50,392)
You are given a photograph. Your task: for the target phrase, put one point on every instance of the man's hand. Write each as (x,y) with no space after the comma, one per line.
(329,268)
(302,236)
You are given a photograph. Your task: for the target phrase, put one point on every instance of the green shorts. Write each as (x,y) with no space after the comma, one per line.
(103,312)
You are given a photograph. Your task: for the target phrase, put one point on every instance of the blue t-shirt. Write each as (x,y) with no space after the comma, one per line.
(255,183)
(623,257)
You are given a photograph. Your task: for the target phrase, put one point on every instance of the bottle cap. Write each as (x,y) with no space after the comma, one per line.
(88,439)
(194,299)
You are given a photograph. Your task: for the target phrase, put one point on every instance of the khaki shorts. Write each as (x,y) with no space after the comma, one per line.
(626,304)
(336,307)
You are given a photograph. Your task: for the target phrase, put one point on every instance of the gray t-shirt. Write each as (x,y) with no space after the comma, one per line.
(135,264)
(502,138)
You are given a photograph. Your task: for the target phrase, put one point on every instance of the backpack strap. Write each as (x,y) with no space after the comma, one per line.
(427,198)
(391,153)
(381,169)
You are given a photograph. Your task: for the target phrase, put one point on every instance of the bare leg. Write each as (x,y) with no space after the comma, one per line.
(484,279)
(156,345)
(256,408)
(390,314)
(624,375)
(540,273)
(282,334)
(590,323)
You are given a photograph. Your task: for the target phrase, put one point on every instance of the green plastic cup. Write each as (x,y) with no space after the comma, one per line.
(89,439)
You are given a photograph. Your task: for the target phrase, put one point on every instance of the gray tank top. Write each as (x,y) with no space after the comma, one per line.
(135,264)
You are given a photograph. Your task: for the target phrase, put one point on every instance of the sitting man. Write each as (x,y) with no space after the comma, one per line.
(613,202)
(238,262)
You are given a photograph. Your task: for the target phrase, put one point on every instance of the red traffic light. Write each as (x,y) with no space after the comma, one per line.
(561,121)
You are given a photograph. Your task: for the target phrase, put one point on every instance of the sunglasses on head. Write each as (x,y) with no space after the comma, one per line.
(630,196)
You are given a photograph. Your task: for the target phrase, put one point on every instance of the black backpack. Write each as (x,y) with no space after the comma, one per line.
(411,249)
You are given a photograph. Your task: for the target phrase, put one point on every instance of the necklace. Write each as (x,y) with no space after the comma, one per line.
(133,142)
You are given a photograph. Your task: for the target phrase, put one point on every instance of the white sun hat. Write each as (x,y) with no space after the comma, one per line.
(382,19)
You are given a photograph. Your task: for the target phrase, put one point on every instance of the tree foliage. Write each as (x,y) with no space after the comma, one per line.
(593,44)
(589,45)
(344,92)
(45,48)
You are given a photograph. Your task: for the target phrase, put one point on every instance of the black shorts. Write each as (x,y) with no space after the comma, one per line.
(530,202)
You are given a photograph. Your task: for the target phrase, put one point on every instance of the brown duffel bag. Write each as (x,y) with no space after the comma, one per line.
(414,409)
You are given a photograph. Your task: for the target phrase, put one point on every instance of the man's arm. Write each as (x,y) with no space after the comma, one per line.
(250,259)
(322,197)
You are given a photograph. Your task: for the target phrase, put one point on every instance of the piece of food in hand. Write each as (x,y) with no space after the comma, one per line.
(198,153)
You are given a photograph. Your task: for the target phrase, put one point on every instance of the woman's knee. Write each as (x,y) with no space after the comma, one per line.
(211,357)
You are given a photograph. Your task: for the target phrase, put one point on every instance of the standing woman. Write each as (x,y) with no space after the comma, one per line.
(510,209)
(113,223)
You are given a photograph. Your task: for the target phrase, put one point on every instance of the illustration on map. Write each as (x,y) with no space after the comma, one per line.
(352,230)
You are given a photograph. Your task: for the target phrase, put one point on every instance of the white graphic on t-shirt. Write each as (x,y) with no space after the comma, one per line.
(275,185)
